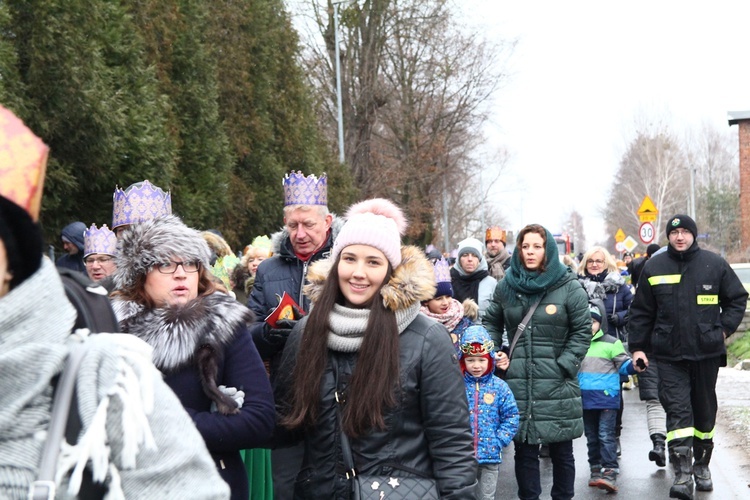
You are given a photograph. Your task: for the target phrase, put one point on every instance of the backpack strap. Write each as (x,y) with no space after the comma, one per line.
(91,302)
(44,487)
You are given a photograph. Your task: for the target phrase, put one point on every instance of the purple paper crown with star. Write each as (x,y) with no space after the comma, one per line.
(101,240)
(443,278)
(140,202)
(301,190)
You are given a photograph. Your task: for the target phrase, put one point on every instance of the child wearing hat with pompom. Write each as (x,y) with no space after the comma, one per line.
(599,379)
(494,413)
(454,315)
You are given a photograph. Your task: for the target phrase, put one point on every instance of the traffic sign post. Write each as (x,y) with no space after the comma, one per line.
(647,212)
(646,232)
(630,243)
(619,236)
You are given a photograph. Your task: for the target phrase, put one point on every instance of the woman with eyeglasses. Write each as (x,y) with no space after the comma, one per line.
(166,296)
(599,275)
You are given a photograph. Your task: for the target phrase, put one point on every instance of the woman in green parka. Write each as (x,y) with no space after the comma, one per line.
(544,364)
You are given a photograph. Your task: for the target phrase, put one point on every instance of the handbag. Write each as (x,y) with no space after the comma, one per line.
(522,325)
(371,486)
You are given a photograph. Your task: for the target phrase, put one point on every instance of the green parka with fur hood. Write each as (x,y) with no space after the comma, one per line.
(543,373)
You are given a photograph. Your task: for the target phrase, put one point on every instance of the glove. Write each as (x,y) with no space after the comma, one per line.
(281,331)
(614,320)
(283,328)
(232,392)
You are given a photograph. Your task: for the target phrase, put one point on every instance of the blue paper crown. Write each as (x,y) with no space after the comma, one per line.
(99,241)
(140,202)
(442,271)
(301,190)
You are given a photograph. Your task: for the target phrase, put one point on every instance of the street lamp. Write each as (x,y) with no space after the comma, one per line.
(339,106)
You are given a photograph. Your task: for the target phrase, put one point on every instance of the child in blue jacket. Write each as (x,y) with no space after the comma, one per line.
(492,407)
(599,379)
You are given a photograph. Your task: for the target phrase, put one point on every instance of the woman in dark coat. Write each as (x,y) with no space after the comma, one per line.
(392,370)
(166,296)
(543,370)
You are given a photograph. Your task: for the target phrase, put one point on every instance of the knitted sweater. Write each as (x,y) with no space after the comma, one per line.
(134,430)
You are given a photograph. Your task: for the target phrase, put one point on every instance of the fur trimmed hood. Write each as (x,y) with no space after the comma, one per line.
(195,333)
(153,242)
(413,280)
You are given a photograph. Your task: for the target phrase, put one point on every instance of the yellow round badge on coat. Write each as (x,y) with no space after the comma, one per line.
(454,337)
(551,309)
(489,398)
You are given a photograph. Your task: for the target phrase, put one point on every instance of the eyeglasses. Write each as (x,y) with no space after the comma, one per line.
(679,232)
(171,267)
(90,261)
(598,262)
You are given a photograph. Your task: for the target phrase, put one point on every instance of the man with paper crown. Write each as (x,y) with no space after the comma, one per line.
(308,235)
(498,259)
(99,250)
(139,202)
(159,454)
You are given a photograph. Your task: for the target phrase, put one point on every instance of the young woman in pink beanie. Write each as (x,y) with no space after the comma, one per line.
(392,370)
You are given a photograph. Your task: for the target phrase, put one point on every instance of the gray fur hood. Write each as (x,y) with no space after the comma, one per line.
(176,332)
(412,281)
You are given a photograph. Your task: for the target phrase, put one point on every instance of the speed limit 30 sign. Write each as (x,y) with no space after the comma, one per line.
(646,233)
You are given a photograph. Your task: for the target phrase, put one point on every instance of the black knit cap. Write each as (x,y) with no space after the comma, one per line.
(651,249)
(22,239)
(682,221)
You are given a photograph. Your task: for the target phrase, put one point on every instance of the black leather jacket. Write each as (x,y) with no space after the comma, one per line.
(428,430)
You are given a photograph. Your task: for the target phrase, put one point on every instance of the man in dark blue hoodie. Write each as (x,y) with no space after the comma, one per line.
(72,239)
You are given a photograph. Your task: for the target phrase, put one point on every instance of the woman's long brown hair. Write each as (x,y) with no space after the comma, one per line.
(375,381)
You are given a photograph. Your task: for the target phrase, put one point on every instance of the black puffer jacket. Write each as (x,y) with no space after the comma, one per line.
(685,303)
(427,430)
(423,432)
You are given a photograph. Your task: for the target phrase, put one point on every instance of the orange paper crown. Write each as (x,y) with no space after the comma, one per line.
(23,163)
(495,233)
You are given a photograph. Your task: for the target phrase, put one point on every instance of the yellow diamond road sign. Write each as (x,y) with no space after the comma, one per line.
(630,243)
(647,212)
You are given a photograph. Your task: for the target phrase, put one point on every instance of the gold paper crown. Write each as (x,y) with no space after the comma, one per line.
(23,163)
(495,233)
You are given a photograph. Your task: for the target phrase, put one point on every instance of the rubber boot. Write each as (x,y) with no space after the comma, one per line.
(681,458)
(658,454)
(703,451)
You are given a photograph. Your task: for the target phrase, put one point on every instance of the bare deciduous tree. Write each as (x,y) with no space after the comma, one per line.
(415,88)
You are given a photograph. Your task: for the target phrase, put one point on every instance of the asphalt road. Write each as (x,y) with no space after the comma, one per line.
(641,479)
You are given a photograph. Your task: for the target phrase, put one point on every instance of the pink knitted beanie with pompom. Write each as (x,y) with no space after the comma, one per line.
(378,223)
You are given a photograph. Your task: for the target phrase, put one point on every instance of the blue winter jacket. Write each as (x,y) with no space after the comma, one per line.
(599,376)
(492,408)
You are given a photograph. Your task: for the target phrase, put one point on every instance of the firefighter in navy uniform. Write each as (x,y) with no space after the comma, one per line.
(689,300)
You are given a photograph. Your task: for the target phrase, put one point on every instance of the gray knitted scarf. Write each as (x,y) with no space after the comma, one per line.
(348,326)
(35,320)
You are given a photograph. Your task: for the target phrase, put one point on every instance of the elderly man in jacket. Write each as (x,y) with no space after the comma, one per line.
(307,236)
(689,301)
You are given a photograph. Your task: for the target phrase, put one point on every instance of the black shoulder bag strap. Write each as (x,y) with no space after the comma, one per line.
(522,325)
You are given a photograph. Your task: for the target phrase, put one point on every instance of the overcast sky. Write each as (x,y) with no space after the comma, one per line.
(584,70)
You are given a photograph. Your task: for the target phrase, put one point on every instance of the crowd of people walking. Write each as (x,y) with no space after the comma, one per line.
(331,358)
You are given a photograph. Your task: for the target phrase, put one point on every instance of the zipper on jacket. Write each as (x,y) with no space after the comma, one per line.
(476,418)
(301,297)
